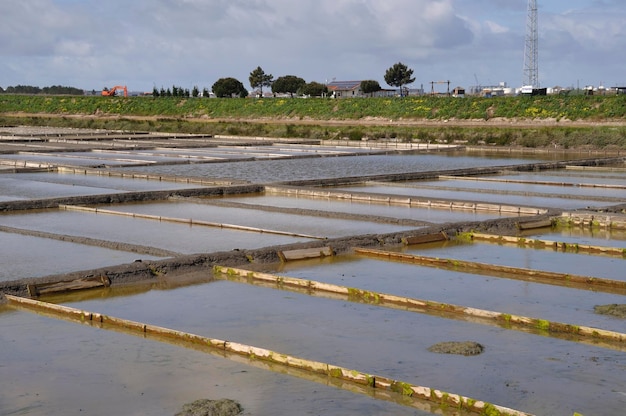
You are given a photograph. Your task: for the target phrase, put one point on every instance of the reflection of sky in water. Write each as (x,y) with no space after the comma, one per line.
(301,224)
(385,342)
(483,292)
(568,176)
(582,192)
(533,201)
(25,256)
(576,234)
(579,264)
(329,167)
(177,237)
(364,208)
(56,368)
(52,185)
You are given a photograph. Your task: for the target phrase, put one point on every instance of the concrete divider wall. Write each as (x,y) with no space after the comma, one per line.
(119,198)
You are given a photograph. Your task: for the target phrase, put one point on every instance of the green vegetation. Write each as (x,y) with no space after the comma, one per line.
(588,108)
(399,75)
(259,79)
(288,84)
(229,87)
(374,118)
(29,89)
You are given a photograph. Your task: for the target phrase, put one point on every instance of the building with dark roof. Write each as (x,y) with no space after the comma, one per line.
(349,89)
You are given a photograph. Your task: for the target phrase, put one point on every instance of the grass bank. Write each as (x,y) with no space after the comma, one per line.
(373,118)
(591,108)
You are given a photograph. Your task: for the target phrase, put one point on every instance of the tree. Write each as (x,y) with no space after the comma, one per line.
(259,79)
(195,92)
(288,84)
(370,86)
(314,89)
(227,87)
(398,76)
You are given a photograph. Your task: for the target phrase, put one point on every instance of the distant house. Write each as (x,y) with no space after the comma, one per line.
(345,89)
(458,92)
(350,89)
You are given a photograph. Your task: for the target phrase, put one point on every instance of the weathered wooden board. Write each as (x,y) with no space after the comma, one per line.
(305,253)
(68,286)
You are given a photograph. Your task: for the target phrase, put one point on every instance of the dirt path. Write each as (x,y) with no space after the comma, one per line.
(366,121)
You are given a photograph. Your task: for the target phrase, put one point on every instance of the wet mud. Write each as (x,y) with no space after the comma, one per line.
(457,347)
(206,407)
(615,310)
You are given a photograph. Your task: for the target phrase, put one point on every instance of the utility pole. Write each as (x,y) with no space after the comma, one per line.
(531,49)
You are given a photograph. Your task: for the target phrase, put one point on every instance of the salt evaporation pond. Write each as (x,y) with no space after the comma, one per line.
(177,237)
(581,235)
(365,208)
(535,300)
(568,176)
(20,186)
(541,375)
(44,374)
(548,260)
(556,191)
(330,167)
(25,256)
(477,196)
(301,224)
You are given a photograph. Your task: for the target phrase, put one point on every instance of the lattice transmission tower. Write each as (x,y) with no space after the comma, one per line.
(531,49)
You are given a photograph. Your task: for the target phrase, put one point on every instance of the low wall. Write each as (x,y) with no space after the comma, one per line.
(125,197)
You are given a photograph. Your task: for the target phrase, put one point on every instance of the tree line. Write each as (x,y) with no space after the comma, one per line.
(53,90)
(398,75)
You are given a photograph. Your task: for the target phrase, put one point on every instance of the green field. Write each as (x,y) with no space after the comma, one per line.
(357,117)
(592,108)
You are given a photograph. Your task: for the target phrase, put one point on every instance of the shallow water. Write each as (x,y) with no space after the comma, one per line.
(365,208)
(330,167)
(502,295)
(529,258)
(53,185)
(302,224)
(569,176)
(25,256)
(59,368)
(537,374)
(580,235)
(546,201)
(108,373)
(177,237)
(555,191)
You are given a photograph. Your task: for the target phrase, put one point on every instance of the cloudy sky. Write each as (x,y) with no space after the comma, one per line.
(91,44)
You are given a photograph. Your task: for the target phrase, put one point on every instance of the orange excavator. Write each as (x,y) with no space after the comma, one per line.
(113,91)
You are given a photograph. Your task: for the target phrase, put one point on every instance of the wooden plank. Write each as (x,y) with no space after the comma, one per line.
(426,238)
(534,224)
(305,253)
(68,286)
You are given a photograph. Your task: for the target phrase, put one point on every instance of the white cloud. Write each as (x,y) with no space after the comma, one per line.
(146,42)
